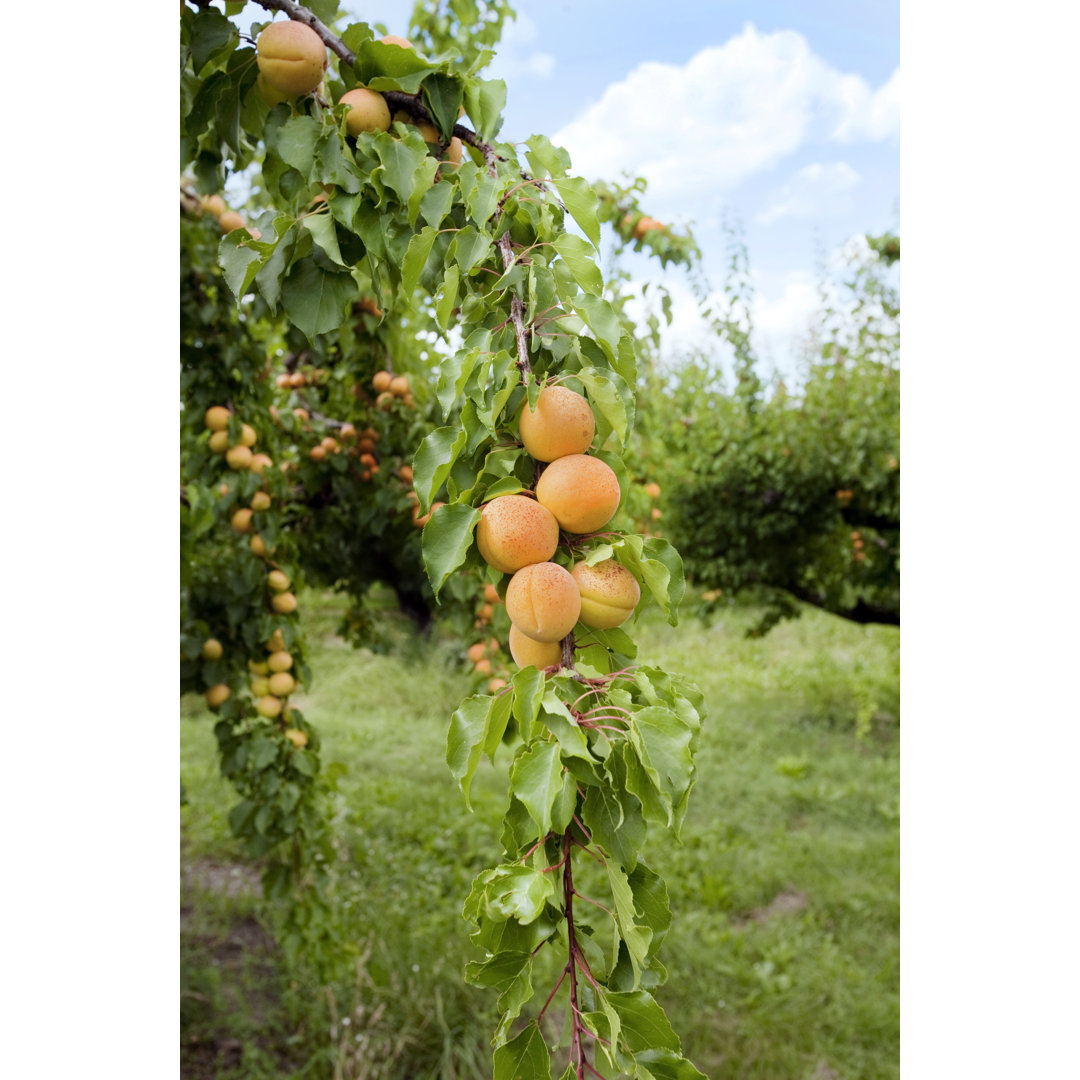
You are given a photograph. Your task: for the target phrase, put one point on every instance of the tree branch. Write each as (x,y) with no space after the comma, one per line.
(301,15)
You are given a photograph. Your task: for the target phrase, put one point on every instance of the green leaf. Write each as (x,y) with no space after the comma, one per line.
(665,1065)
(381,66)
(272,273)
(448,535)
(600,318)
(517,892)
(469,248)
(416,257)
(483,198)
(296,141)
(444,308)
(435,204)
(400,159)
(606,399)
(614,819)
(239,261)
(581,201)
(315,300)
(577,254)
(636,937)
(485,100)
(535,779)
(433,462)
(545,159)
(644,1025)
(495,725)
(528,690)
(524,1057)
(662,744)
(658,566)
(454,373)
(321,227)
(211,33)
(463,740)
(442,94)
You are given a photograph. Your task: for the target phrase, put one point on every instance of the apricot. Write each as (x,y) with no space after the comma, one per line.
(367,111)
(581,491)
(381,381)
(276,643)
(283,603)
(258,546)
(212,649)
(476,652)
(529,653)
(491,595)
(609,593)
(652,490)
(482,667)
(217,418)
(454,152)
(278,580)
(260,501)
(268,706)
(241,520)
(562,424)
(646,224)
(486,611)
(399,386)
(219,442)
(214,204)
(495,685)
(239,457)
(282,684)
(543,601)
(514,531)
(260,462)
(247,435)
(217,695)
(298,738)
(291,58)
(260,686)
(405,473)
(393,39)
(231,220)
(279,661)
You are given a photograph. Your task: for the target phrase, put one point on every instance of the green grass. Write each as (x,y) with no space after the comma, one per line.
(784,949)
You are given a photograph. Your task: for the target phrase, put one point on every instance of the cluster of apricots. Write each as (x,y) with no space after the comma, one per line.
(518,534)
(857,546)
(292,61)
(226,218)
(238,456)
(486,656)
(297,380)
(388,387)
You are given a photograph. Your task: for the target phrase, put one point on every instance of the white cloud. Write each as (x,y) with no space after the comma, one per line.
(697,130)
(814,190)
(516,53)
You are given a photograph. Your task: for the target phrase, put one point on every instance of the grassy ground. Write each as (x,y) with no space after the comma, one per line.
(784,948)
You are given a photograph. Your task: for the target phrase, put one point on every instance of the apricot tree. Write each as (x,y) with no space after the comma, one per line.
(394,226)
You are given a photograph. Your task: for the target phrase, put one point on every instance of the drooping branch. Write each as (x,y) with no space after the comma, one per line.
(395,99)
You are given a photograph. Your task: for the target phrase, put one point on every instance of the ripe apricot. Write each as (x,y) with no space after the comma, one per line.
(482,667)
(529,653)
(212,649)
(609,593)
(247,435)
(514,531)
(219,442)
(317,453)
(393,39)
(495,685)
(491,595)
(231,220)
(291,57)
(405,473)
(268,706)
(279,661)
(656,513)
(581,491)
(652,490)
(241,520)
(239,457)
(282,684)
(278,580)
(214,204)
(260,686)
(367,111)
(543,601)
(217,418)
(217,695)
(276,642)
(260,462)
(297,738)
(260,501)
(399,386)
(486,611)
(283,603)
(258,667)
(384,401)
(258,546)
(476,652)
(562,424)
(381,381)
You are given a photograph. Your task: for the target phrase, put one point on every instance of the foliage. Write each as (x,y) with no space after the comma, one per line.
(791,496)
(363,243)
(789,810)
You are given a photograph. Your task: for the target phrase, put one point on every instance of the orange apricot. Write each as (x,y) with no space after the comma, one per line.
(291,57)
(609,593)
(562,424)
(543,601)
(514,531)
(581,491)
(529,653)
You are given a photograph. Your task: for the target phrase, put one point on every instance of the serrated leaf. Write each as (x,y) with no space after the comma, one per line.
(581,201)
(448,535)
(578,257)
(416,257)
(524,1057)
(485,100)
(433,461)
(296,141)
(315,300)
(400,161)
(535,780)
(239,261)
(321,227)
(464,739)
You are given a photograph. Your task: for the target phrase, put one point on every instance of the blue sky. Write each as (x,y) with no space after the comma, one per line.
(785,115)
